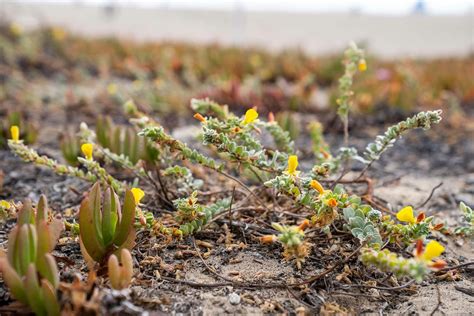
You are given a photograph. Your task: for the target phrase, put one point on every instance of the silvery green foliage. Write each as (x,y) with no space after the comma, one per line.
(206,214)
(388,261)
(360,225)
(158,135)
(281,137)
(422,120)
(241,146)
(184,178)
(466,230)
(206,106)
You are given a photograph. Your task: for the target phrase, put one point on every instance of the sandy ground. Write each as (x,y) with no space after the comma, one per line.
(386,36)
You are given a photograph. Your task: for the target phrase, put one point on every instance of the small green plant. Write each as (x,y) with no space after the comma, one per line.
(29,269)
(193,216)
(416,268)
(292,239)
(360,223)
(120,274)
(70,148)
(105,227)
(468,229)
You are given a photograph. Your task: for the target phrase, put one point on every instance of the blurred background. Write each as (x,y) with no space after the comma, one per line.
(416,28)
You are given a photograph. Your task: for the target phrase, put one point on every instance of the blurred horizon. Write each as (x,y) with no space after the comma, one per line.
(372,7)
(324,28)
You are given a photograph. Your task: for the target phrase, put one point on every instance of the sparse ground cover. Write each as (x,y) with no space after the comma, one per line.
(217,251)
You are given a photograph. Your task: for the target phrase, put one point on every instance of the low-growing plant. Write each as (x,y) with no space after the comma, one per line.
(416,268)
(468,216)
(28,268)
(292,239)
(106,227)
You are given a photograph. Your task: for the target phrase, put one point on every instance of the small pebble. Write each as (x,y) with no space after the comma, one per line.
(234,298)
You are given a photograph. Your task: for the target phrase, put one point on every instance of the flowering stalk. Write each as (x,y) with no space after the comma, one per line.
(30,155)
(354,59)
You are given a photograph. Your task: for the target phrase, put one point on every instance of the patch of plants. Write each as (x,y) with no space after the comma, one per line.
(161,192)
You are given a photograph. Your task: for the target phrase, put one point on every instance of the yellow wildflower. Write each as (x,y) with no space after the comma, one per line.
(433,249)
(406,215)
(5,204)
(112,89)
(250,116)
(292,165)
(362,65)
(317,186)
(138,194)
(58,34)
(16,29)
(15,133)
(87,150)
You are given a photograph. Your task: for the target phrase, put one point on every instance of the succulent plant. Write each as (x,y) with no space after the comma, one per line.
(468,228)
(29,269)
(120,274)
(123,140)
(360,225)
(70,148)
(105,226)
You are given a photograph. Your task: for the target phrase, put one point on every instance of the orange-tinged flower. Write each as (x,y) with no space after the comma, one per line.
(271,117)
(419,248)
(438,264)
(317,186)
(199,117)
(433,249)
(138,194)
(15,133)
(268,239)
(250,116)
(87,150)
(421,217)
(303,225)
(292,165)
(332,202)
(438,226)
(406,215)
(362,65)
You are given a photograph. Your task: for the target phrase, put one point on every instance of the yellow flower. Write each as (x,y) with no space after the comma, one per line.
(5,205)
(362,65)
(87,150)
(292,165)
(112,88)
(58,33)
(15,132)
(250,116)
(406,215)
(138,194)
(433,249)
(16,29)
(317,186)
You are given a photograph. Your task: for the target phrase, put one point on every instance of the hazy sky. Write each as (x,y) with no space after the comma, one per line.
(365,6)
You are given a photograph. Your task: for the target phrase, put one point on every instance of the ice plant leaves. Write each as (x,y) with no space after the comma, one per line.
(29,270)
(104,226)
(120,275)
